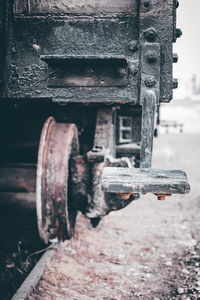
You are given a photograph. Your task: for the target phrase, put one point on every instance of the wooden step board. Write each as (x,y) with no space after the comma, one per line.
(133,180)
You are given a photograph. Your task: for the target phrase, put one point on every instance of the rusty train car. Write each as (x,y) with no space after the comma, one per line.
(80,82)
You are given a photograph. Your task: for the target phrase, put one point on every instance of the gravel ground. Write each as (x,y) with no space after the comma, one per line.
(149,250)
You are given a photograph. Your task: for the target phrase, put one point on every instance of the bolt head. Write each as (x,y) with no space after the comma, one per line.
(175,58)
(133,46)
(175,83)
(150,34)
(178,33)
(146,4)
(150,81)
(162,196)
(151,56)
(121,72)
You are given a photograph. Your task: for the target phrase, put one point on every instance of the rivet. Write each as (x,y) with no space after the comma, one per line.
(151,56)
(133,46)
(146,4)
(150,34)
(133,70)
(150,82)
(121,72)
(175,83)
(175,57)
(178,33)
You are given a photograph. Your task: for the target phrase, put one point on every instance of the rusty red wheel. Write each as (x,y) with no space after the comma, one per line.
(55,212)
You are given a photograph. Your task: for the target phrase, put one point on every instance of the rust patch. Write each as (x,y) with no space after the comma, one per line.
(57,144)
(125,196)
(162,196)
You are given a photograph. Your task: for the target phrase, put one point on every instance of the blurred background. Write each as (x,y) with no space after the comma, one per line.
(183,113)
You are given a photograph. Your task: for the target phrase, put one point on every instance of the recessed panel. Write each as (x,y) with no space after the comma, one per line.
(86,72)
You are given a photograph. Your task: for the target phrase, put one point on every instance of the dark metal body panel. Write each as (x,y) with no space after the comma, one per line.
(83,29)
(73,36)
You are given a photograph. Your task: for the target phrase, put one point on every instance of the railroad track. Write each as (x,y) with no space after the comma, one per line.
(33,278)
(20,241)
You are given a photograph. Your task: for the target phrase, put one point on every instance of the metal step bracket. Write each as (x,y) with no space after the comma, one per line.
(136,180)
(150,70)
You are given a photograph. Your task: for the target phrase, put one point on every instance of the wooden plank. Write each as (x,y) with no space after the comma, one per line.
(132,180)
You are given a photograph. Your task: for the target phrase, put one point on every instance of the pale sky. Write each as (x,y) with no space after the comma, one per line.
(188,46)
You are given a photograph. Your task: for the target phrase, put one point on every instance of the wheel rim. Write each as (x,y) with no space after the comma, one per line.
(55,213)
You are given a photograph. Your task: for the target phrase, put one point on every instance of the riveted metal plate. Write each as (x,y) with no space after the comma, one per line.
(159,16)
(92,28)
(150,70)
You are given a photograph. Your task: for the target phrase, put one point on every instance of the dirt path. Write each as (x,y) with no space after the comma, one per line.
(149,250)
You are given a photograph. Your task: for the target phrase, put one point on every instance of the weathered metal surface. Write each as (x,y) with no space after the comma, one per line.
(74,6)
(85,51)
(71,36)
(128,117)
(128,132)
(128,150)
(100,203)
(125,129)
(105,129)
(118,162)
(104,139)
(133,180)
(18,178)
(56,215)
(97,154)
(157,26)
(97,206)
(148,115)
(79,182)
(93,28)
(86,71)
